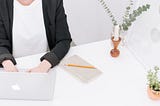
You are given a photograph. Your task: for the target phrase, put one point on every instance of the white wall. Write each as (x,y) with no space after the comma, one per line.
(87,20)
(88,23)
(144,37)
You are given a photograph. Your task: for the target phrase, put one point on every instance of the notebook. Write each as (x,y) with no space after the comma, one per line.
(84,74)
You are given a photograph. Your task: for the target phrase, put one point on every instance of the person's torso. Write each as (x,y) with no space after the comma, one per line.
(28,33)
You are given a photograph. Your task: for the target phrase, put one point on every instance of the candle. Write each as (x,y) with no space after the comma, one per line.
(116,33)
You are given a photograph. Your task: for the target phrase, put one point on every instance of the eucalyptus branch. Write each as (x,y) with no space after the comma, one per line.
(128,8)
(132,17)
(128,17)
(107,9)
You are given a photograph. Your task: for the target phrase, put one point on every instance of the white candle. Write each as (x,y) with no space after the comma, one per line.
(116,32)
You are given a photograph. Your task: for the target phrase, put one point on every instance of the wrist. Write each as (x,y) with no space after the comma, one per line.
(45,65)
(7,63)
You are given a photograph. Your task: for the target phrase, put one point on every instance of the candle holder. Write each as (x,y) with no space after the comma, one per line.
(115,52)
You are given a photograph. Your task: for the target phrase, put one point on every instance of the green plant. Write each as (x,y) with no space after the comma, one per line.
(128,17)
(153,81)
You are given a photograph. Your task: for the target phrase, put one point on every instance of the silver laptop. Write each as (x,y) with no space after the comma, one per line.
(27,86)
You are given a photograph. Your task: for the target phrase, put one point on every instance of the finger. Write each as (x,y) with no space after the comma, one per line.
(11,70)
(35,71)
(8,70)
(29,71)
(16,70)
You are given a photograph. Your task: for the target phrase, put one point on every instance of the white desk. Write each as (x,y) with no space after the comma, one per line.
(123,82)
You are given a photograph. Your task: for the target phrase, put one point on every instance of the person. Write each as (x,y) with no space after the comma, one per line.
(30,27)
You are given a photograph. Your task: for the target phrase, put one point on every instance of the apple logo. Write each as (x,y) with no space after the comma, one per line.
(16,87)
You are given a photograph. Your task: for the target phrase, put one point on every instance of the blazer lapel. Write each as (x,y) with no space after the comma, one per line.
(10,10)
(7,16)
(45,12)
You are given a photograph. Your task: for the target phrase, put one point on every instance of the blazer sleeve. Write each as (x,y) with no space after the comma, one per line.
(5,45)
(63,37)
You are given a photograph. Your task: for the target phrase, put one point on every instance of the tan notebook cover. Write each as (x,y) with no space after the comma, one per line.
(84,74)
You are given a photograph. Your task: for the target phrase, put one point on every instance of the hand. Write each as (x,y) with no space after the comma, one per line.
(43,67)
(9,66)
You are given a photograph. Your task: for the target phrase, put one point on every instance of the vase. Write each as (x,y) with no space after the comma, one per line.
(154,95)
(115,51)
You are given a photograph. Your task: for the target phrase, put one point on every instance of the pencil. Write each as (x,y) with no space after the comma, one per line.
(80,66)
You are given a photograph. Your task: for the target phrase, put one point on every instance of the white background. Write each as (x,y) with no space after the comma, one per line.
(88,21)
(142,40)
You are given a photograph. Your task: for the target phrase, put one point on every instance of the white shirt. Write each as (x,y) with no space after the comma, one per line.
(29,35)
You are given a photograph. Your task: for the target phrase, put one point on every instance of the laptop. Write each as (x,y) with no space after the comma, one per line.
(27,86)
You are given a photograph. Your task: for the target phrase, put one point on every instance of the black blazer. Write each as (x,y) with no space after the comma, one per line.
(57,30)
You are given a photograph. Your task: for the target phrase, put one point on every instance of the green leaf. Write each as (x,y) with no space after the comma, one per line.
(153,79)
(125,27)
(128,8)
(148,6)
